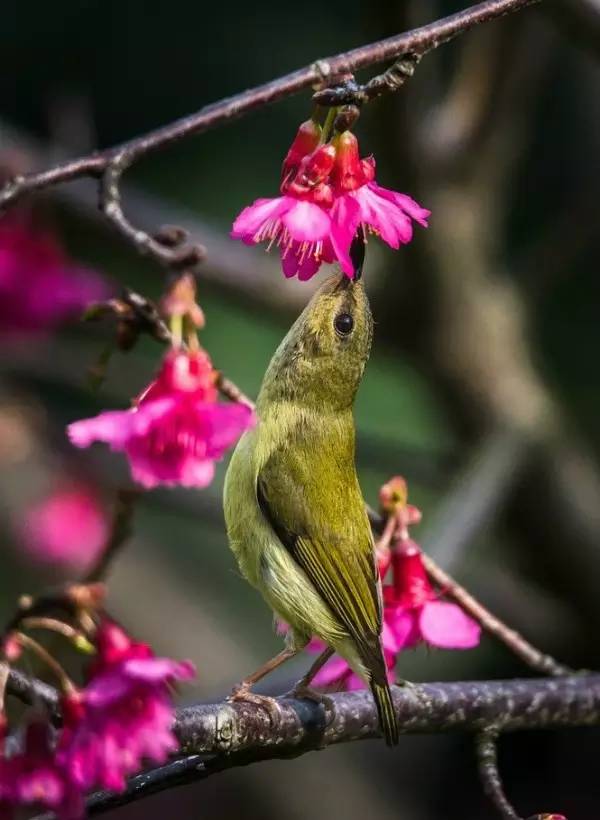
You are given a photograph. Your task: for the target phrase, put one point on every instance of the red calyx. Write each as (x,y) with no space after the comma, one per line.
(306,140)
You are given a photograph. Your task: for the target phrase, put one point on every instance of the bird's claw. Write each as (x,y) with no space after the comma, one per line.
(243,694)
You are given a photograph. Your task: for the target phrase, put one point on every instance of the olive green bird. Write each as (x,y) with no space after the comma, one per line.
(294,510)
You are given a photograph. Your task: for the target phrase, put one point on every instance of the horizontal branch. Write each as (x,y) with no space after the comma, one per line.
(325,71)
(227,735)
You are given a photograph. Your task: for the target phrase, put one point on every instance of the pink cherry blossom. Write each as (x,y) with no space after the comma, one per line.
(177,430)
(33,778)
(337,673)
(68,528)
(359,200)
(40,288)
(328,193)
(413,611)
(123,716)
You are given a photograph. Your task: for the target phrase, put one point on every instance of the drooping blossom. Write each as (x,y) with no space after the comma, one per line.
(32,777)
(67,529)
(414,612)
(123,716)
(328,192)
(40,287)
(359,200)
(176,430)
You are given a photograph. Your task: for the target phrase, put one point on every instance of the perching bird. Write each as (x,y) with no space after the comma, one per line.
(294,510)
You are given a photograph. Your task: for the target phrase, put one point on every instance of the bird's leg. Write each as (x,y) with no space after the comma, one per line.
(243,690)
(303,690)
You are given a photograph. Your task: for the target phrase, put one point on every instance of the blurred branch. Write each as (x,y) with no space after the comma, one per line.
(109,165)
(477,496)
(240,734)
(33,692)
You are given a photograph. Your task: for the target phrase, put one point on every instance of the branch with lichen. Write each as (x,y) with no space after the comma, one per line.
(221,736)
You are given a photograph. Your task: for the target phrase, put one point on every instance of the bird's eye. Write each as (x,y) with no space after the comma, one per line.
(343,323)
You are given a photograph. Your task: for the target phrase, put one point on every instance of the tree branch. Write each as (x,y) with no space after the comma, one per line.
(237,734)
(109,165)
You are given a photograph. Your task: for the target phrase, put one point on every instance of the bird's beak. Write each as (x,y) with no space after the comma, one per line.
(357,253)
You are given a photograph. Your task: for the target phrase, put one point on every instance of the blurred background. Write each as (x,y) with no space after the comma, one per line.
(482,389)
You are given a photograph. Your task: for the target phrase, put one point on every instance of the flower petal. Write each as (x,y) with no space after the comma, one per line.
(252,219)
(408,205)
(334,671)
(345,215)
(306,222)
(404,624)
(446,625)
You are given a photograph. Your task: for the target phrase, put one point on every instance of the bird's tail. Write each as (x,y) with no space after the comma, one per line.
(388,720)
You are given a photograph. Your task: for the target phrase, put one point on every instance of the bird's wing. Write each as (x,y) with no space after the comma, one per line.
(328,534)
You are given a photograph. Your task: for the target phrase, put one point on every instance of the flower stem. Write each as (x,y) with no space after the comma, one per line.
(176,326)
(77,638)
(328,125)
(66,684)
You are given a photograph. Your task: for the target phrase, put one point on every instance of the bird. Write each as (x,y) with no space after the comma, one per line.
(294,511)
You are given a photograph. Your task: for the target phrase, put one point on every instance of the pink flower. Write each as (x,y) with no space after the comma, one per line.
(338,674)
(68,528)
(359,200)
(40,288)
(176,430)
(299,222)
(413,611)
(32,777)
(328,192)
(123,716)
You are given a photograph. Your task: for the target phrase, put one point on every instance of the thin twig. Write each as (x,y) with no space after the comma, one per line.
(232,392)
(109,165)
(535,659)
(487,761)
(33,691)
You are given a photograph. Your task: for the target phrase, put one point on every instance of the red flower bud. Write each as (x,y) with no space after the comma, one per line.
(348,173)
(393,495)
(306,140)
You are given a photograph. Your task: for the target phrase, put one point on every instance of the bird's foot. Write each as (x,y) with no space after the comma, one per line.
(302,691)
(242,693)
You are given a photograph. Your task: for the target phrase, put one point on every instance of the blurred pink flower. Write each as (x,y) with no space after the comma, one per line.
(40,288)
(123,716)
(328,192)
(176,430)
(413,611)
(68,528)
(33,778)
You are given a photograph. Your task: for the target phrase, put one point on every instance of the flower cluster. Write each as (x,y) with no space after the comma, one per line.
(121,718)
(176,429)
(40,288)
(413,612)
(327,193)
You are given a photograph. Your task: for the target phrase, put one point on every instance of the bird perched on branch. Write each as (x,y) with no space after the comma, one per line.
(294,510)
